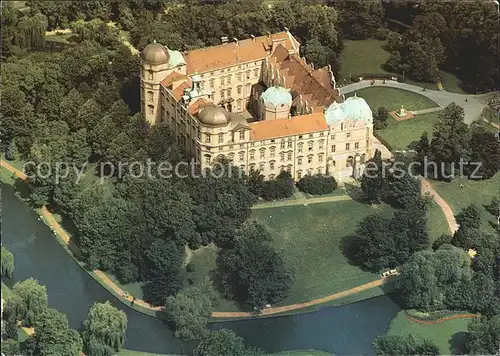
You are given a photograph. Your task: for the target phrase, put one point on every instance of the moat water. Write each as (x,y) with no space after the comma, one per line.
(345,330)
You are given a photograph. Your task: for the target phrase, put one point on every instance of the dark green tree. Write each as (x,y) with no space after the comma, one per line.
(373,181)
(7,263)
(103,330)
(53,335)
(484,336)
(256,284)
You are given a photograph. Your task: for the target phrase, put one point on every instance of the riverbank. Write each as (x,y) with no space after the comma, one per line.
(142,306)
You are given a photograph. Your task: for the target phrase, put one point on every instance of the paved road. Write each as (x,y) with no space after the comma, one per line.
(472,107)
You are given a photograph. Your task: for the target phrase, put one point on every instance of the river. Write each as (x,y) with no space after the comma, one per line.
(346,330)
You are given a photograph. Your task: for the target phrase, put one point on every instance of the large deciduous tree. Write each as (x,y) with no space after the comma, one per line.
(484,336)
(223,342)
(29,300)
(104,330)
(249,281)
(188,311)
(53,335)
(7,263)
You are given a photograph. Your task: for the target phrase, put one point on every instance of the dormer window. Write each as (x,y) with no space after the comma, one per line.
(242,135)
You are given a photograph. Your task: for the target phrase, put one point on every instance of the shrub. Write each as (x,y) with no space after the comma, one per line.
(279,188)
(382,33)
(317,184)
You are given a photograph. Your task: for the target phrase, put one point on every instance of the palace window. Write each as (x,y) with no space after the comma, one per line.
(299,161)
(347,146)
(271,165)
(362,159)
(256,73)
(282,156)
(290,144)
(212,83)
(242,135)
(229,91)
(348,135)
(208,159)
(242,155)
(299,174)
(262,152)
(231,156)
(202,85)
(252,167)
(309,159)
(207,138)
(300,146)
(261,166)
(320,157)
(321,143)
(333,148)
(248,74)
(239,104)
(150,96)
(356,145)
(229,79)
(310,144)
(238,77)
(273,151)
(222,93)
(289,156)
(252,154)
(282,145)
(238,89)
(221,138)
(222,81)
(310,135)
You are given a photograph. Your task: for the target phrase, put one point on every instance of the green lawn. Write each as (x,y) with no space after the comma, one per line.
(393,98)
(445,335)
(310,238)
(472,192)
(368,56)
(401,134)
(436,222)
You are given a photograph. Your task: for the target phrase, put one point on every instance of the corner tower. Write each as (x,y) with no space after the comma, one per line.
(155,59)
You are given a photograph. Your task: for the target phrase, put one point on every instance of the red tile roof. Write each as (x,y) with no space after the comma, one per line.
(230,54)
(296,125)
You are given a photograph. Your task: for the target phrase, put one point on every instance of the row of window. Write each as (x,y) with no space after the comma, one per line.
(228,79)
(347,146)
(220,136)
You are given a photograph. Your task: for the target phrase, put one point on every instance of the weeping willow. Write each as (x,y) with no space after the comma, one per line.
(31,31)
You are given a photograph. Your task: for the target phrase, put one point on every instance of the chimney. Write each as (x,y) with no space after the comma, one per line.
(224,39)
(236,41)
(253,38)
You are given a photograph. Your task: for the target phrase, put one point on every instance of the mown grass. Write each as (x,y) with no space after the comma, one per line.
(401,135)
(462,192)
(311,239)
(447,335)
(369,56)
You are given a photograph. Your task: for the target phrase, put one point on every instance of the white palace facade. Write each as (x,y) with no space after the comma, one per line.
(258,103)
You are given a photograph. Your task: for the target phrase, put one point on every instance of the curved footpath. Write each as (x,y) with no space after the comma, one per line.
(56,227)
(472,107)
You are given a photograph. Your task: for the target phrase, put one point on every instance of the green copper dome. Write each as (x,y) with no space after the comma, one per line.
(176,58)
(277,96)
(353,108)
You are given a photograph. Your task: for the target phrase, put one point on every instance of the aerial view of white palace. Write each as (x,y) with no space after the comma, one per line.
(259,104)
